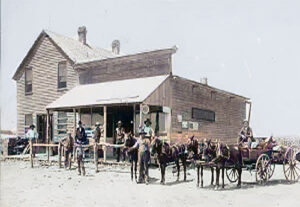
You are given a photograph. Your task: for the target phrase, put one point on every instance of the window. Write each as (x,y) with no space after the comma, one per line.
(213,95)
(62,120)
(28,80)
(201,114)
(28,119)
(62,75)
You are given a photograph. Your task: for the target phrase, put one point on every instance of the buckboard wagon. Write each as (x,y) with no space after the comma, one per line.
(263,162)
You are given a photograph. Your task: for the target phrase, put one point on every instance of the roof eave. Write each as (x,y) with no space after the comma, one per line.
(213,88)
(80,65)
(41,35)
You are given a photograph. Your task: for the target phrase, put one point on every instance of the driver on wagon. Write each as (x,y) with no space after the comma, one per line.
(246,135)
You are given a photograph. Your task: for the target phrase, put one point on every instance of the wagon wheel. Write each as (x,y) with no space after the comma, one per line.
(291,165)
(264,168)
(271,169)
(232,174)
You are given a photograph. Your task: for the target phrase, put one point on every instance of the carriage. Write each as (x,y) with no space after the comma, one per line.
(263,161)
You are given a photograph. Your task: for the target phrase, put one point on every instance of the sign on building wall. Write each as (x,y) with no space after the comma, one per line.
(179,118)
(193,126)
(185,125)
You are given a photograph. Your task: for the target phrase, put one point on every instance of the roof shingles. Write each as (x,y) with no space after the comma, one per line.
(77,51)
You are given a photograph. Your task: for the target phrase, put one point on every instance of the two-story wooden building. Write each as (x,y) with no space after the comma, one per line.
(71,80)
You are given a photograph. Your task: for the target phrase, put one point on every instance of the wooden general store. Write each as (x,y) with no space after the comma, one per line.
(62,80)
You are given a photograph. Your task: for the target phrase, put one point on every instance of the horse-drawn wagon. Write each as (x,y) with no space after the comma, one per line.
(263,162)
(233,159)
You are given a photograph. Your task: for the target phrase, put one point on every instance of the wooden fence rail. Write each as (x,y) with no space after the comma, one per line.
(60,147)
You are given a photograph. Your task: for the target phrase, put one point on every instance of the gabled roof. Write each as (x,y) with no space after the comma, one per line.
(73,49)
(114,92)
(80,54)
(77,51)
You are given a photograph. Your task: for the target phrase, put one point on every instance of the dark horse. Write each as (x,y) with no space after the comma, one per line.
(131,153)
(202,154)
(228,156)
(166,154)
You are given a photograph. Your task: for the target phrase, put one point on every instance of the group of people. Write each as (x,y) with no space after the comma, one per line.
(146,133)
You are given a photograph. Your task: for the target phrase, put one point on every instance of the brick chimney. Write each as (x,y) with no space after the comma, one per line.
(204,81)
(115,47)
(82,34)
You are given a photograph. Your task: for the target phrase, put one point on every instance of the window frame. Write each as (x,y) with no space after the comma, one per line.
(26,81)
(204,118)
(25,122)
(59,87)
(62,122)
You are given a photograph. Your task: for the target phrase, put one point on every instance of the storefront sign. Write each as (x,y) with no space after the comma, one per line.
(185,125)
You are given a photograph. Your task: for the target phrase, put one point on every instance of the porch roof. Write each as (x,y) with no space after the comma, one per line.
(113,92)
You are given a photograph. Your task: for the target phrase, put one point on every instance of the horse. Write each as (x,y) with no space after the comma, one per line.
(166,154)
(204,151)
(131,153)
(228,155)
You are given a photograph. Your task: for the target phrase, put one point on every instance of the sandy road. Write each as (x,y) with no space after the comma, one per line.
(50,186)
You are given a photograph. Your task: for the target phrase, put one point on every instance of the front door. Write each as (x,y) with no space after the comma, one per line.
(42,127)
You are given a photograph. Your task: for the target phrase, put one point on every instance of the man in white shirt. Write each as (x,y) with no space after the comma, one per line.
(32,135)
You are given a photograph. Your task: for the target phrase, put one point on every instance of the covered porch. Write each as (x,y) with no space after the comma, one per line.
(108,103)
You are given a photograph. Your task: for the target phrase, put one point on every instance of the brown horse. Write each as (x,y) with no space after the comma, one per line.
(166,154)
(228,155)
(131,153)
(202,154)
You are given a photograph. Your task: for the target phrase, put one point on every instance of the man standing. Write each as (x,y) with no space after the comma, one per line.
(120,134)
(32,135)
(68,144)
(97,132)
(148,129)
(81,139)
(97,135)
(143,146)
(80,136)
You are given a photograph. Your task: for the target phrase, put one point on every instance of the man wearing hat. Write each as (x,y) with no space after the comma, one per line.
(97,132)
(80,136)
(148,129)
(120,134)
(97,135)
(143,146)
(32,135)
(68,144)
(246,134)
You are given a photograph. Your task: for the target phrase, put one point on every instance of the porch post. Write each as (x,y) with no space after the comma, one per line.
(169,124)
(48,133)
(104,130)
(141,115)
(74,111)
(91,117)
(74,133)
(134,120)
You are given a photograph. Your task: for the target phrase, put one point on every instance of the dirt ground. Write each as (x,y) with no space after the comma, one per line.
(50,186)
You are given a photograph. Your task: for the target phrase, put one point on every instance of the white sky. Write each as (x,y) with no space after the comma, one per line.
(247,47)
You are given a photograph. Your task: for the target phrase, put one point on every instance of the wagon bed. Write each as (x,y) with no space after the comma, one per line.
(263,162)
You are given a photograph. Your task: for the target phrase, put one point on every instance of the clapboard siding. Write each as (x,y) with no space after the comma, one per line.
(161,96)
(230,111)
(120,70)
(44,62)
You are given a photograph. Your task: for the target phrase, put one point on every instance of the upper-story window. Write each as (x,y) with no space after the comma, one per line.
(28,80)
(28,119)
(62,75)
